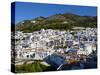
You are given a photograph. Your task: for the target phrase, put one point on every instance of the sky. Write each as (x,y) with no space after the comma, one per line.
(27,11)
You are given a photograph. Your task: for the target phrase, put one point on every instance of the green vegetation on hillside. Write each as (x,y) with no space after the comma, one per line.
(59,21)
(31,67)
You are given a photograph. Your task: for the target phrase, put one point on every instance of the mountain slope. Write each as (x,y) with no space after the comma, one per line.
(58,21)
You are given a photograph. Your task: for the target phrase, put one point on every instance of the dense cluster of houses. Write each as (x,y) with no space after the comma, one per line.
(41,44)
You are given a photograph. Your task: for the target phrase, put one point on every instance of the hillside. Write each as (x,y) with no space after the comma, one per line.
(58,21)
